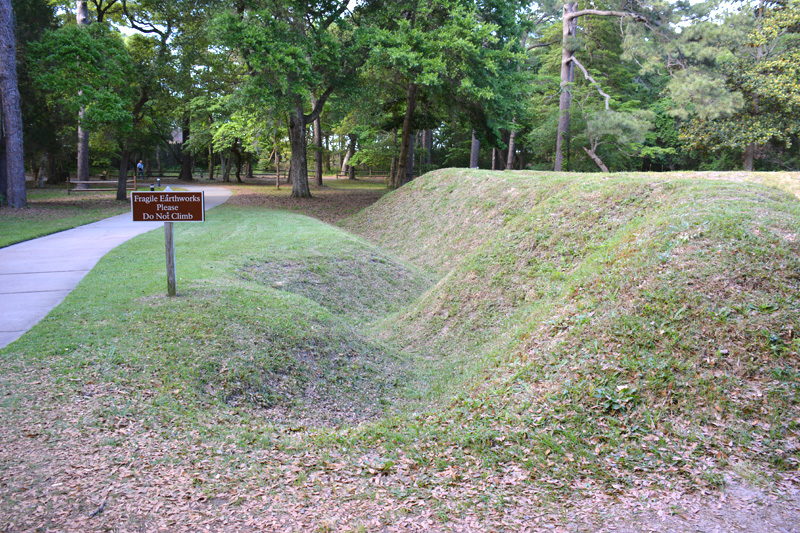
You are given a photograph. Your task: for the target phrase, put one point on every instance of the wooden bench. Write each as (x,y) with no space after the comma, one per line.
(131,185)
(369,173)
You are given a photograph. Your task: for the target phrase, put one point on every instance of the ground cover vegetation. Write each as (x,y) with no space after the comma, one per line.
(397,87)
(504,350)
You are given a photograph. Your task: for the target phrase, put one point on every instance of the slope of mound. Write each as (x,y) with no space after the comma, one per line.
(598,326)
(261,323)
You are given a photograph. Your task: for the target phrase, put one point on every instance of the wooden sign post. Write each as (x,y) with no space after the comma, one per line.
(169,206)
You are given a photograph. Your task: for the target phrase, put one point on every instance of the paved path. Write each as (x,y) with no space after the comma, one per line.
(36,275)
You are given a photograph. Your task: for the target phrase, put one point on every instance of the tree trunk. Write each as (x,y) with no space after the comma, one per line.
(3,169)
(82,174)
(401,172)
(225,159)
(53,171)
(351,150)
(474,151)
(351,169)
(210,162)
(318,151)
(187,161)
(277,169)
(494,158)
(82,13)
(569,27)
(428,149)
(298,164)
(249,166)
(237,157)
(327,153)
(122,177)
(43,170)
(412,143)
(512,147)
(596,159)
(15,192)
(35,170)
(748,157)
(423,145)
(187,164)
(159,170)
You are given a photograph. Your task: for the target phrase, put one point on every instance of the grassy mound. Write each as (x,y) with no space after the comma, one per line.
(599,326)
(248,331)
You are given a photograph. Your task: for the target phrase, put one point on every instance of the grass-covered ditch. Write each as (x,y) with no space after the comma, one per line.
(271,316)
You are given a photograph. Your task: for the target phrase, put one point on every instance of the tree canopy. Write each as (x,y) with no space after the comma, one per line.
(403,87)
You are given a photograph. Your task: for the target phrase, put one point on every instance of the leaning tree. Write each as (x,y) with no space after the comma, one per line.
(569,30)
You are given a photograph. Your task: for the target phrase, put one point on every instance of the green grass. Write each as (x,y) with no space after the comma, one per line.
(53,210)
(246,330)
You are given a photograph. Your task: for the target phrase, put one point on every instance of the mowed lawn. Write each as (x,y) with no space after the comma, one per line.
(52,210)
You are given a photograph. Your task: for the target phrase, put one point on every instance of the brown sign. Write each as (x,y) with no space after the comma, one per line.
(168,206)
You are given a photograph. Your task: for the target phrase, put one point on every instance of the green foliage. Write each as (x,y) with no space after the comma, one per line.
(719,77)
(290,57)
(85,67)
(777,77)
(625,129)
(703,96)
(34,17)
(737,85)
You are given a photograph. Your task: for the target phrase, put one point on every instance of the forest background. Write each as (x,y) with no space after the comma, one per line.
(228,89)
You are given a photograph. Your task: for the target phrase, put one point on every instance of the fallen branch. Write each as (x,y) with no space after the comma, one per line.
(100,509)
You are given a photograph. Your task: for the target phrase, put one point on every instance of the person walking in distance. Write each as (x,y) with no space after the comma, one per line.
(140,169)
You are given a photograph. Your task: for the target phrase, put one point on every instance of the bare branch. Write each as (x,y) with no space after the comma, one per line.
(594,157)
(540,45)
(593,81)
(146,27)
(601,13)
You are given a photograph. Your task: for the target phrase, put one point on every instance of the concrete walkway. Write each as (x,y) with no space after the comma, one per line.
(36,275)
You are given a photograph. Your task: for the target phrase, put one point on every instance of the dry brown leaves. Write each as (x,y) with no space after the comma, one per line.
(63,469)
(328,204)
